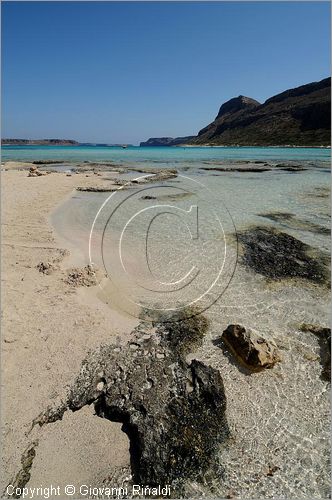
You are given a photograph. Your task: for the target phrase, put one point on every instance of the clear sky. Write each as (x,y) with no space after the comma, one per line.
(122,72)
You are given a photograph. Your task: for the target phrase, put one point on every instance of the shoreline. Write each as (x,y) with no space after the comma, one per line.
(50,326)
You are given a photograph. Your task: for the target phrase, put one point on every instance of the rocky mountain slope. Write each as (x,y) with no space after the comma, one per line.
(300,116)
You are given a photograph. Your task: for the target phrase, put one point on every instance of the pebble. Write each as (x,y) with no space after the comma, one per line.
(100,386)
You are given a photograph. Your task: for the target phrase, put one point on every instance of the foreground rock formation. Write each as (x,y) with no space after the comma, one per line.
(172,411)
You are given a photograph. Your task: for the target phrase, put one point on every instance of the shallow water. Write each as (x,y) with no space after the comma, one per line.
(279,418)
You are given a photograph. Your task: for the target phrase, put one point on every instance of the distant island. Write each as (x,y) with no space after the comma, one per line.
(39,142)
(296,117)
(57,142)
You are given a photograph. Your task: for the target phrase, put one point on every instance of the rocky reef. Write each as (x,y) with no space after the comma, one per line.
(278,255)
(172,411)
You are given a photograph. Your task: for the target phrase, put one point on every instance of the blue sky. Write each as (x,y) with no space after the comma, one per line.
(123,72)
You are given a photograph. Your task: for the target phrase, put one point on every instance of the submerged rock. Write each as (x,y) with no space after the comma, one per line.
(278,255)
(324,338)
(291,221)
(253,350)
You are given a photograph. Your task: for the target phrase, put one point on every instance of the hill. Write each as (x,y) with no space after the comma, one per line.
(297,117)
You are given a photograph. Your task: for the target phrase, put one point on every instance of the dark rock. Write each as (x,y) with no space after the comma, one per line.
(46,267)
(240,169)
(324,338)
(24,474)
(278,255)
(290,221)
(252,349)
(173,412)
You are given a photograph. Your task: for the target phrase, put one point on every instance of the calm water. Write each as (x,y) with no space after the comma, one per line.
(160,155)
(279,416)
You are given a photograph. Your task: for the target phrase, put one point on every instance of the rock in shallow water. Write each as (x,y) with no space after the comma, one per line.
(173,412)
(253,350)
(278,255)
(324,338)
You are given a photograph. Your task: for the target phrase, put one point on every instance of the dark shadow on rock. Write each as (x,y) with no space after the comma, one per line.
(222,345)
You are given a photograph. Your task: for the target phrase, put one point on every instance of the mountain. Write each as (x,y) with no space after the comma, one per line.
(167,141)
(39,142)
(299,117)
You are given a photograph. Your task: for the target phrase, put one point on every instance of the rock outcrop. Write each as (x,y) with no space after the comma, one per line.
(172,411)
(252,349)
(300,116)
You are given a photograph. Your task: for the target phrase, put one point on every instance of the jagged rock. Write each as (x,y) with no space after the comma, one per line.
(252,349)
(173,412)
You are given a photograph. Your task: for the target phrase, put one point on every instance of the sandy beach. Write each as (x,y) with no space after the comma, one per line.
(49,326)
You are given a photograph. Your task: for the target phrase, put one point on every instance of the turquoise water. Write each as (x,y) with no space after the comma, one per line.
(162,155)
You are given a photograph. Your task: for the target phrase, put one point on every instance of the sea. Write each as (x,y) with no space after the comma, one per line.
(160,155)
